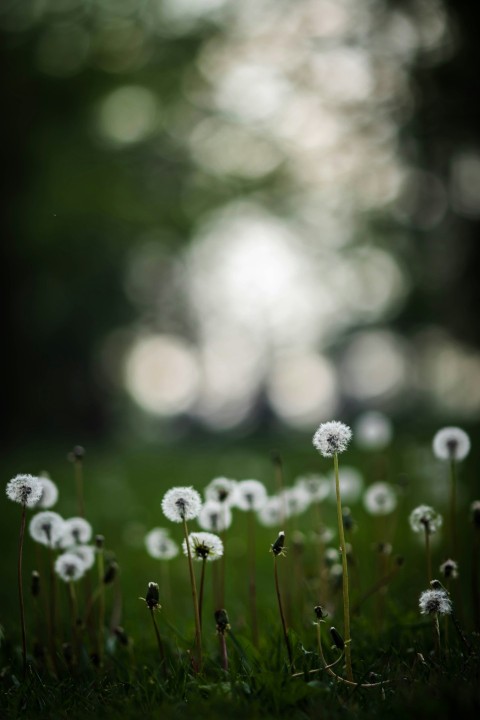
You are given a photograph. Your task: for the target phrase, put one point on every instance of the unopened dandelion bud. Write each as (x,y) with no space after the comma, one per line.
(99,542)
(110,573)
(121,635)
(348,521)
(320,612)
(475,513)
(222,621)
(77,454)
(337,638)
(153,596)
(278,547)
(35,586)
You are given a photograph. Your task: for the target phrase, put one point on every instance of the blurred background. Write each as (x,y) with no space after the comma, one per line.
(224,222)
(227,217)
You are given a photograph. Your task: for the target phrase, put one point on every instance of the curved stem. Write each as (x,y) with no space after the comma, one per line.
(282,615)
(346,599)
(20,590)
(198,627)
(338,677)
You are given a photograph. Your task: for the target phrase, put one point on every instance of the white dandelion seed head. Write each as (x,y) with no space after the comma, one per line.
(336,571)
(250,495)
(49,492)
(295,500)
(322,535)
(451,443)
(449,569)
(159,545)
(373,431)
(317,486)
(203,546)
(25,490)
(215,516)
(424,518)
(222,490)
(351,485)
(69,567)
(332,438)
(181,503)
(331,556)
(47,528)
(76,531)
(86,553)
(271,513)
(435,601)
(380,499)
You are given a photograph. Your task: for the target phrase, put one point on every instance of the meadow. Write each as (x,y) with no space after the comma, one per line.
(106,658)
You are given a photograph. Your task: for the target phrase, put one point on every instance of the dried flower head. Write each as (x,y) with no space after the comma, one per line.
(425,519)
(316,486)
(278,547)
(25,490)
(215,516)
(203,546)
(435,601)
(76,531)
(250,495)
(380,499)
(449,569)
(222,490)
(69,567)
(451,443)
(271,513)
(373,431)
(159,545)
(49,491)
(47,528)
(181,503)
(332,438)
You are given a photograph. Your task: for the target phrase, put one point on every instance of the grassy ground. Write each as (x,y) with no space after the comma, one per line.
(389,636)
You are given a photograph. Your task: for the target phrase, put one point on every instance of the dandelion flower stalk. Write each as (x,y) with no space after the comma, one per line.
(77,455)
(198,624)
(223,625)
(20,589)
(435,602)
(99,541)
(152,601)
(252,584)
(278,548)
(346,598)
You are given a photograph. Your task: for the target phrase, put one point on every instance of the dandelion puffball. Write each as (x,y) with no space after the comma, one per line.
(77,531)
(380,499)
(435,601)
(295,500)
(49,492)
(222,490)
(215,516)
(351,484)
(86,553)
(316,486)
(449,569)
(25,490)
(181,503)
(425,519)
(46,528)
(69,567)
(451,443)
(203,546)
(159,545)
(271,514)
(332,438)
(250,495)
(373,431)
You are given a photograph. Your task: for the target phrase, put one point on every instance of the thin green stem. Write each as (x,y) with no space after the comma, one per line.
(198,627)
(74,613)
(346,599)
(282,615)
(428,553)
(101,605)
(252,582)
(20,591)
(78,468)
(453,508)
(159,640)
(202,587)
(436,633)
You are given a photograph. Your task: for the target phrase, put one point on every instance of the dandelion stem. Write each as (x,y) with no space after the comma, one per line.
(453,508)
(223,652)
(346,599)
(74,613)
(202,586)
(428,552)
(282,616)
(101,605)
(436,633)
(20,590)
(52,608)
(475,578)
(78,469)
(252,584)
(159,639)
(198,627)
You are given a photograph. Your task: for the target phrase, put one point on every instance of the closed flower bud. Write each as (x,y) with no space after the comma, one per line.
(222,621)
(35,586)
(153,596)
(99,542)
(110,573)
(320,612)
(278,547)
(337,638)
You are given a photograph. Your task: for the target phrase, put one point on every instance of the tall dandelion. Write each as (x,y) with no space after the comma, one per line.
(70,568)
(26,490)
(425,519)
(435,602)
(180,504)
(203,547)
(453,445)
(331,439)
(278,550)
